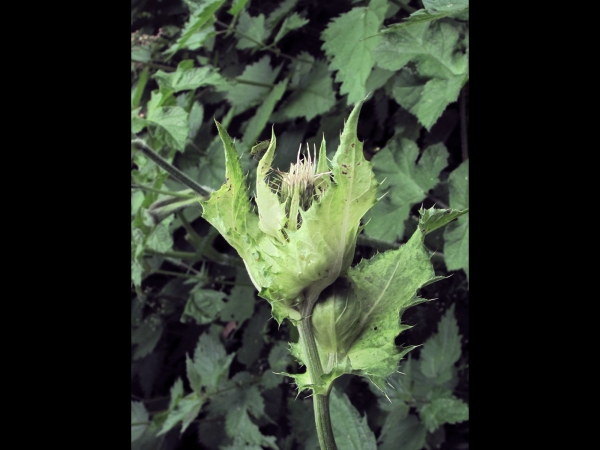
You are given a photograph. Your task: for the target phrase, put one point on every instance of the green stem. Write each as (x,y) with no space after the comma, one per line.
(315,370)
(173,171)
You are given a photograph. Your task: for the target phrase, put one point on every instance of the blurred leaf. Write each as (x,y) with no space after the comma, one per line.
(241,301)
(210,364)
(236,403)
(237,6)
(173,120)
(197,20)
(203,305)
(139,415)
(313,96)
(349,52)
(442,350)
(441,65)
(258,122)
(443,410)
(187,409)
(290,23)
(253,338)
(350,430)
(254,28)
(405,183)
(146,336)
(244,95)
(456,236)
(185,78)
(407,434)
(282,10)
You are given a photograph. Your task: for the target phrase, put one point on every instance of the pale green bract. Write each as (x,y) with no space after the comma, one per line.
(289,265)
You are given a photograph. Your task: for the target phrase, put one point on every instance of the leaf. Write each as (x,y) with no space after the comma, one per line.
(138,91)
(313,96)
(244,95)
(350,430)
(432,219)
(139,415)
(405,183)
(282,10)
(290,23)
(441,65)
(456,8)
(349,52)
(241,301)
(302,422)
(253,338)
(408,434)
(210,364)
(451,6)
(236,7)
(236,402)
(176,393)
(263,112)
(160,238)
(186,411)
(195,119)
(385,286)
(185,78)
(173,120)
(203,305)
(146,336)
(254,28)
(456,236)
(442,350)
(443,410)
(197,20)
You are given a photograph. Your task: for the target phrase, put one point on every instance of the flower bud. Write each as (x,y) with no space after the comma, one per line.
(304,235)
(336,319)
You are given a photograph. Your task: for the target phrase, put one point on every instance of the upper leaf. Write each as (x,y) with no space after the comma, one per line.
(348,49)
(185,78)
(456,236)
(404,183)
(253,31)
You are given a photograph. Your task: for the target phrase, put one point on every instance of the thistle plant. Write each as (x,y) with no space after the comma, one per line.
(297,244)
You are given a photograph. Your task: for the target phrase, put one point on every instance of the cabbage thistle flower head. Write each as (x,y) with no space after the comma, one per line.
(302,236)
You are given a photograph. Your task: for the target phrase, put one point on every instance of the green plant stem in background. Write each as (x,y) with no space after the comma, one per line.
(171,169)
(315,370)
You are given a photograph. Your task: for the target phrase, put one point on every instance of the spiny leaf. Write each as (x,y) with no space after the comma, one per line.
(351,54)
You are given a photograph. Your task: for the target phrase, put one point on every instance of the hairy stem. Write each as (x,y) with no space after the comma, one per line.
(315,370)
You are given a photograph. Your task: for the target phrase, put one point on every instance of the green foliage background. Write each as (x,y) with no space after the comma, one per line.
(205,354)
